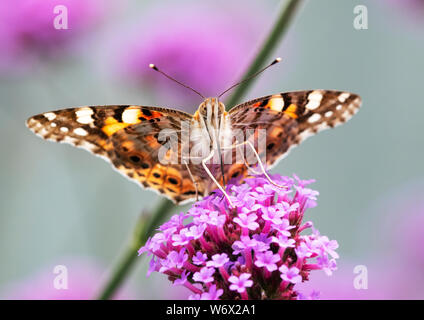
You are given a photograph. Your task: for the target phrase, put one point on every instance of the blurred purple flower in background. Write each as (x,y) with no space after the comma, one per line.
(28,33)
(412,10)
(402,217)
(84,279)
(395,270)
(411,227)
(241,253)
(411,5)
(200,46)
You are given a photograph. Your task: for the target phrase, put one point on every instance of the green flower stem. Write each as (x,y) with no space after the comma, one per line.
(281,26)
(143,229)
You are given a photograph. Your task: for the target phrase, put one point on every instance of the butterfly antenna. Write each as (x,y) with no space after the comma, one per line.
(175,80)
(251,77)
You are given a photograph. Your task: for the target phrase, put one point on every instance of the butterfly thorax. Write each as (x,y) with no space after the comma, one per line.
(211,126)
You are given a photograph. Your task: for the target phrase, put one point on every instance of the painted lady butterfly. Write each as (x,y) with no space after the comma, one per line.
(130,138)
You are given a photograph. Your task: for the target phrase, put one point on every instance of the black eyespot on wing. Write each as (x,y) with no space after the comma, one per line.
(135,159)
(145,165)
(270,146)
(146,112)
(117,114)
(172,180)
(264,102)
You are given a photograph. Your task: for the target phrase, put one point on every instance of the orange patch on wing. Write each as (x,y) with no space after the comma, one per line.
(173,181)
(291,111)
(150,114)
(152,142)
(128,145)
(157,175)
(112,126)
(276,132)
(188,188)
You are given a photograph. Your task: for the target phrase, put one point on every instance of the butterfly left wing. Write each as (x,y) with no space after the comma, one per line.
(289,118)
(128,137)
(88,127)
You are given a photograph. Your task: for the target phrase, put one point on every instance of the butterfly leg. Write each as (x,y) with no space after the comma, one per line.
(259,161)
(192,179)
(213,178)
(263,168)
(249,168)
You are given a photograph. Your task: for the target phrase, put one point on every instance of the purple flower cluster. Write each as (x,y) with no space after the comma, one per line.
(255,251)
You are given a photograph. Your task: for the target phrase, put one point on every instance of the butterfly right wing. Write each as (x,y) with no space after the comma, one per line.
(128,137)
(289,118)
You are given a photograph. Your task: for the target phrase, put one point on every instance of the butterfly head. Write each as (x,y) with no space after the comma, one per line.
(211,110)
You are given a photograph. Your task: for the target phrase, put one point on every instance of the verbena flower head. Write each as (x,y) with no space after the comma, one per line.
(258,250)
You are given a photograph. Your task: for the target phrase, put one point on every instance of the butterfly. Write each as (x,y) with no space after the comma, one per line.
(132,138)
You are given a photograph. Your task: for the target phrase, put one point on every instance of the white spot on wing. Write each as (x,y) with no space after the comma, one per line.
(328,114)
(342,97)
(70,140)
(312,105)
(314,99)
(322,126)
(50,116)
(84,115)
(130,115)
(315,95)
(314,118)
(43,132)
(80,132)
(346,115)
(64,129)
(276,104)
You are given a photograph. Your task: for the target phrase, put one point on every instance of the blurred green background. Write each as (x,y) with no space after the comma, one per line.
(58,202)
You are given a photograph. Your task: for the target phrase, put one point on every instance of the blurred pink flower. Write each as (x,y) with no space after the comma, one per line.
(202,47)
(28,33)
(412,5)
(407,221)
(395,268)
(84,281)
(340,286)
(412,10)
(402,217)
